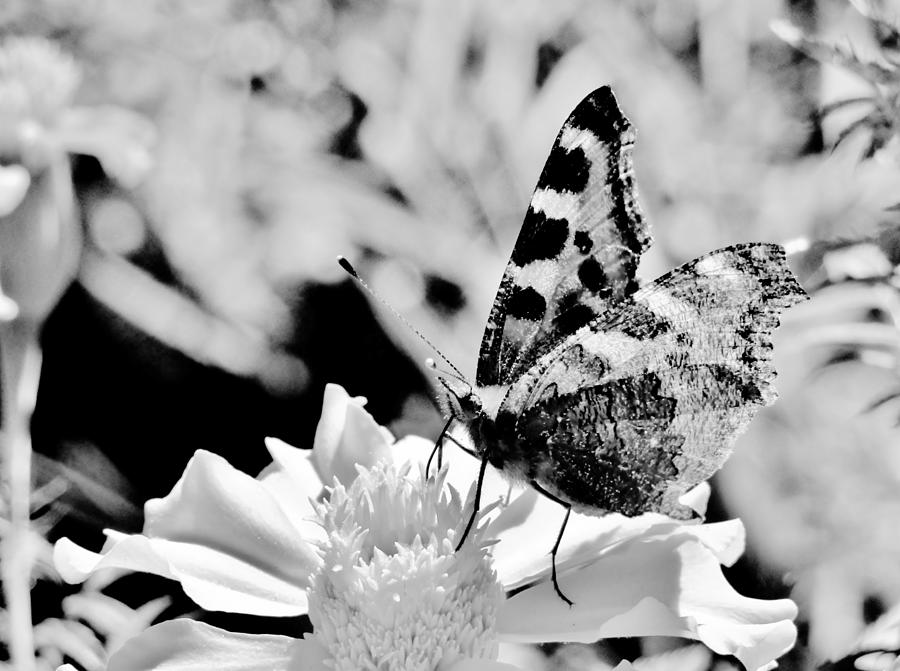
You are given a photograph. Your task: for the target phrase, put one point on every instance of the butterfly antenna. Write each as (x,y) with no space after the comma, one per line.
(432,364)
(345,264)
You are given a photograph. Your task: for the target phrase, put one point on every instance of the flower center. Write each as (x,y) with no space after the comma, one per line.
(392,594)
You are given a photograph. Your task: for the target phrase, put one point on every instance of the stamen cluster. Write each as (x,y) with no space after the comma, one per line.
(392,594)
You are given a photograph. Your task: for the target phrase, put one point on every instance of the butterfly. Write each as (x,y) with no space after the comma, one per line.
(604,394)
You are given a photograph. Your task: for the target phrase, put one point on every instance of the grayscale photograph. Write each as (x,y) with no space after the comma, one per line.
(449,335)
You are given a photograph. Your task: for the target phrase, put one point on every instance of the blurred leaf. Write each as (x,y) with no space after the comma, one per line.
(834,54)
(111,618)
(55,638)
(121,140)
(886,30)
(94,485)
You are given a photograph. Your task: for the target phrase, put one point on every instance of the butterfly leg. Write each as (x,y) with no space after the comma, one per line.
(477,504)
(438,448)
(469,450)
(559,536)
(553,558)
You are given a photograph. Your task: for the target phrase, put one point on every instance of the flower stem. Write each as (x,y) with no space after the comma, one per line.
(20,359)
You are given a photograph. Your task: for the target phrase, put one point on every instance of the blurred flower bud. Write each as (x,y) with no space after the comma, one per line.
(40,235)
(40,238)
(40,243)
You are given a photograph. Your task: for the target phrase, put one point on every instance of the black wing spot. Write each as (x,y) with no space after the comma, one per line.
(591,275)
(526,303)
(573,318)
(566,170)
(540,238)
(571,315)
(583,242)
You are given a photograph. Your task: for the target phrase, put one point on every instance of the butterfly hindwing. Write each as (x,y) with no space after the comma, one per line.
(645,401)
(579,246)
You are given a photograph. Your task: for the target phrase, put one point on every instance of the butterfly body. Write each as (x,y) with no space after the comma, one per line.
(608,395)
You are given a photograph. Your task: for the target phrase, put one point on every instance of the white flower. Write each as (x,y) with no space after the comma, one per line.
(372,562)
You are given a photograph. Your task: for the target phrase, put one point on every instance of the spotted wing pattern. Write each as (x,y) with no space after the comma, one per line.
(579,246)
(645,401)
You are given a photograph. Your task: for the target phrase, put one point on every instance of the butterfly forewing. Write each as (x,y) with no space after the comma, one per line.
(645,401)
(579,246)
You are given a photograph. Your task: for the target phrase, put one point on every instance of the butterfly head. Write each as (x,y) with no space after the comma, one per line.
(459,400)
(457,397)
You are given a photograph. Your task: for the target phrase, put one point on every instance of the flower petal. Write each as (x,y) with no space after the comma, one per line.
(517,511)
(221,534)
(521,556)
(213,579)
(412,449)
(133,553)
(725,540)
(292,480)
(298,464)
(215,505)
(528,532)
(346,435)
(186,645)
(668,584)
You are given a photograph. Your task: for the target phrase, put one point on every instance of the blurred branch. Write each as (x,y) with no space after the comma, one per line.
(20,360)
